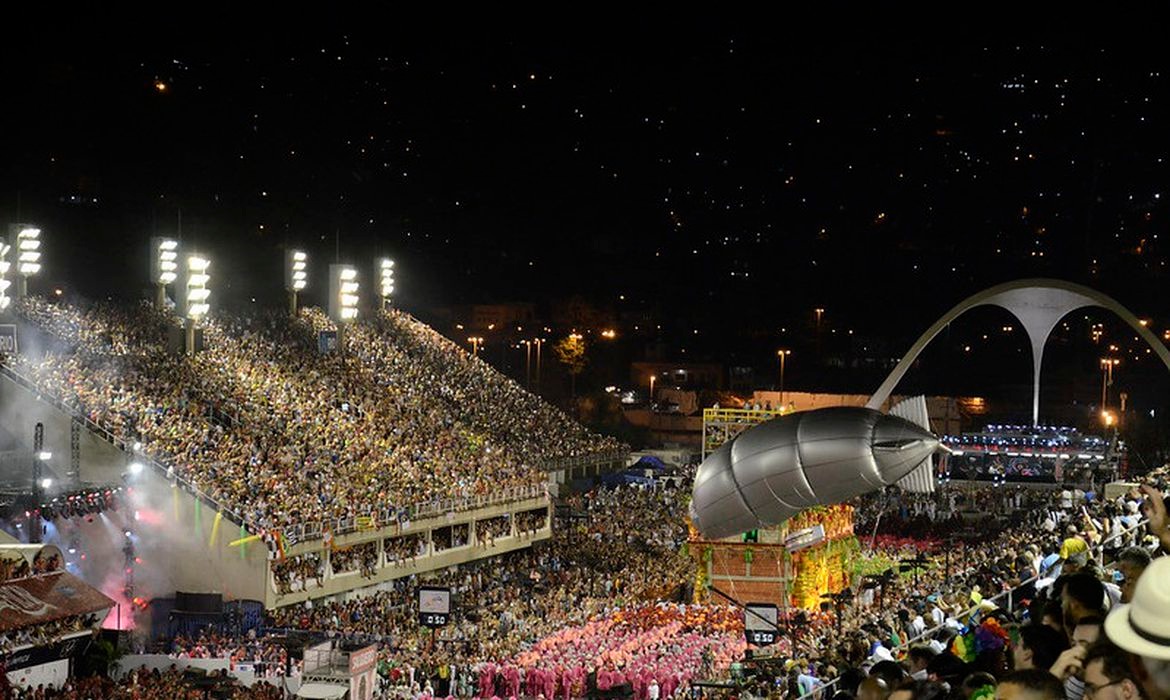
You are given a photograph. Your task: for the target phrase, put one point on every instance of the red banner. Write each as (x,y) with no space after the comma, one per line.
(40,599)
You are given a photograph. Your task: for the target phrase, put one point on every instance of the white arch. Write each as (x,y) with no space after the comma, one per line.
(1039,304)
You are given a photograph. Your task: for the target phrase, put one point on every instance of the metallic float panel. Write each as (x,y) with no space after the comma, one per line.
(776,469)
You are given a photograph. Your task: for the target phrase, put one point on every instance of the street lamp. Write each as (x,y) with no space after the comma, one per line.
(164,266)
(385,271)
(527,363)
(475,341)
(296,276)
(28,255)
(652,378)
(782,353)
(539,342)
(198,295)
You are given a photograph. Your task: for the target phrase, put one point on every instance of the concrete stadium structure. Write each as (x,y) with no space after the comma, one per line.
(185,543)
(1039,304)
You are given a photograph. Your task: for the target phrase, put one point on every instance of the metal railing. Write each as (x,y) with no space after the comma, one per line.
(587,460)
(741,415)
(1007,594)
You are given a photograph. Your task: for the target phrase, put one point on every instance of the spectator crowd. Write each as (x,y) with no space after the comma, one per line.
(264,424)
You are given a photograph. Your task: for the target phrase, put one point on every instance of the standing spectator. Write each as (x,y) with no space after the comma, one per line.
(1143,629)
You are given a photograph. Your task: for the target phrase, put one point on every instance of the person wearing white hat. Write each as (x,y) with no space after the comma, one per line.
(1142,628)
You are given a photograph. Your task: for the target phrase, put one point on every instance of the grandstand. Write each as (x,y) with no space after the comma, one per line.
(1037,454)
(266,470)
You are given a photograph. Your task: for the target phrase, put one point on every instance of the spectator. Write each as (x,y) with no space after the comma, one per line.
(1029,684)
(1038,648)
(1131,562)
(1142,628)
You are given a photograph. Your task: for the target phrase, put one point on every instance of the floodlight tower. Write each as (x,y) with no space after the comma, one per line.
(296,276)
(5,268)
(197,295)
(164,267)
(28,254)
(343,299)
(385,273)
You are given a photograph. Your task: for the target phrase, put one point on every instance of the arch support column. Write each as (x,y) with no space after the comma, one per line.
(1038,304)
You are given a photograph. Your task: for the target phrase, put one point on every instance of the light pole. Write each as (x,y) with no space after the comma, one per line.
(5,283)
(782,353)
(652,378)
(28,255)
(539,344)
(386,280)
(527,363)
(39,458)
(198,295)
(296,276)
(475,341)
(164,267)
(1107,365)
(343,299)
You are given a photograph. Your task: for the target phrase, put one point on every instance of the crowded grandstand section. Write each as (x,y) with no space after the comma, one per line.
(279,434)
(1045,454)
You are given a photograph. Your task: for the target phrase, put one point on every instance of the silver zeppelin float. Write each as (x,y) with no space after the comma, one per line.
(774,470)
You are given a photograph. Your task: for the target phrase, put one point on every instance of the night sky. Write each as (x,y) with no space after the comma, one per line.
(722,180)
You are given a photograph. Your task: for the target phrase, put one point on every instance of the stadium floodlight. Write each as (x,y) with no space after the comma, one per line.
(5,268)
(27,241)
(385,273)
(343,293)
(296,276)
(198,293)
(44,456)
(164,266)
(46,482)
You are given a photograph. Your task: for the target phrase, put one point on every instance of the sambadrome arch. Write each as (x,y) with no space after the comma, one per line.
(1038,304)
